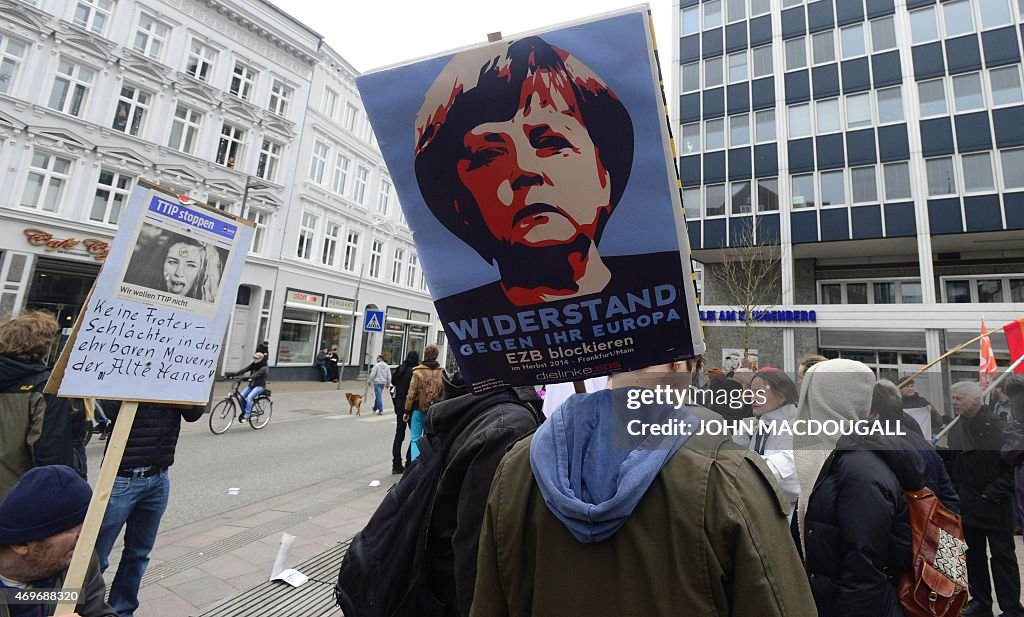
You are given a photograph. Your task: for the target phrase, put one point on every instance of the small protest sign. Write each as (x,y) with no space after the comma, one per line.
(153,327)
(537,175)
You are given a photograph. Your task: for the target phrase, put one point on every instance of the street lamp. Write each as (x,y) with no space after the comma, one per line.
(259,186)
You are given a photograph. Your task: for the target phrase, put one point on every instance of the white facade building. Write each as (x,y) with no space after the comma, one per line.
(222,102)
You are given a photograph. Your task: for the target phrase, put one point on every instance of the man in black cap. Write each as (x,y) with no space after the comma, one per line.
(40,519)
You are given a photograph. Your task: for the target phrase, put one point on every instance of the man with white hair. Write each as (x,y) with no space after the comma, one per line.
(985,485)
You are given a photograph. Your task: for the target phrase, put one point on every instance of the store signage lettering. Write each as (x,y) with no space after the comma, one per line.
(302,297)
(769,316)
(97,249)
(340,304)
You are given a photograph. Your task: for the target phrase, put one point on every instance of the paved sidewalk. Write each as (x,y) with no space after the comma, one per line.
(196,566)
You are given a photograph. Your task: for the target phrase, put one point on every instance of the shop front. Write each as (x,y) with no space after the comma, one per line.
(404,331)
(312,321)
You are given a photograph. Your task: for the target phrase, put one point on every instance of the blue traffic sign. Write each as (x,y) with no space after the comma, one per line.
(374,321)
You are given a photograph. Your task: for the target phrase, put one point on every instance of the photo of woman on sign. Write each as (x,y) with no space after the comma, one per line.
(177,264)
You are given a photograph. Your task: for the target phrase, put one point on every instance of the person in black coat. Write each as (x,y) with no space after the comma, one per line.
(400,379)
(985,484)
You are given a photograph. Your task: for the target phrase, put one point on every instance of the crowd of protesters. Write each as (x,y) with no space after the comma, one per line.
(538,515)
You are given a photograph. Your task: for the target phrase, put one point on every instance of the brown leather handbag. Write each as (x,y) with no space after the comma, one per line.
(936,584)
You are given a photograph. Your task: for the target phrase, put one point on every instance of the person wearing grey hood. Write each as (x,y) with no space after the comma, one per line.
(852,523)
(586,518)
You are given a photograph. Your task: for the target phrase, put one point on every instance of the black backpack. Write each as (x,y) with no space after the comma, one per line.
(383,572)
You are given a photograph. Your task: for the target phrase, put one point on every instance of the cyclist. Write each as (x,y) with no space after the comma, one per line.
(257,381)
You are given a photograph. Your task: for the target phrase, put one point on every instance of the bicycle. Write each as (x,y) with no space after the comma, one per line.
(224,413)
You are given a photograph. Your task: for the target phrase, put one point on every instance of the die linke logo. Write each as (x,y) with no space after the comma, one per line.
(97,249)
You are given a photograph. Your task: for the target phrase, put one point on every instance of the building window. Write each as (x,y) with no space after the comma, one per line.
(243,78)
(739,130)
(833,188)
(384,198)
(307,231)
(714,200)
(270,159)
(897,181)
(967,94)
(200,60)
(1006,89)
(132,107)
(691,138)
(350,117)
(760,7)
(863,183)
(112,193)
(261,219)
(93,15)
(852,39)
(12,54)
(47,176)
(413,271)
(712,14)
(828,116)
(923,26)
(796,53)
(932,95)
(691,203)
(351,251)
(823,47)
(768,195)
(229,149)
(713,72)
(990,290)
(883,34)
(978,177)
(741,200)
(941,179)
(890,104)
(735,10)
(151,37)
(298,335)
(1017,290)
(803,191)
(185,129)
(910,292)
(1013,168)
(331,236)
(318,162)
(858,110)
(280,98)
(764,126)
(958,17)
(329,104)
(870,292)
(690,20)
(799,120)
(831,293)
(738,67)
(856,293)
(958,292)
(71,88)
(995,13)
(376,256)
(359,187)
(396,268)
(714,134)
(340,180)
(762,60)
(690,77)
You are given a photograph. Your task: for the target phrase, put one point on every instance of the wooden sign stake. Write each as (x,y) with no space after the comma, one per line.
(98,505)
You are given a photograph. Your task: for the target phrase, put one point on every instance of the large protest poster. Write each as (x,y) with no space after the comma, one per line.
(537,176)
(154,324)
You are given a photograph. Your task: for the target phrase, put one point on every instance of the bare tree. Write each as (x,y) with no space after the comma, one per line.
(747,276)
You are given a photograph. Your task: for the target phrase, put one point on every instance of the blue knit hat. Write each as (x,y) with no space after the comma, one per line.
(44,502)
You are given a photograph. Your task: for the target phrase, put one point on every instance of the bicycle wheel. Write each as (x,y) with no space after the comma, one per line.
(261,410)
(222,416)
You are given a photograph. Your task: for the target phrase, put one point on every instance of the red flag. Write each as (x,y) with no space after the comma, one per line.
(987,362)
(1014,332)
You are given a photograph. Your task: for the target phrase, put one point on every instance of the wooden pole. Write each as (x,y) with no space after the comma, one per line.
(948,354)
(580,387)
(990,387)
(98,505)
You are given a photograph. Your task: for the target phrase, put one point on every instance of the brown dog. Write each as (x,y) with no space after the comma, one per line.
(355,401)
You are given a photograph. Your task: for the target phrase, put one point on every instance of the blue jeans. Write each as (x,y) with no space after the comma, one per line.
(137,504)
(416,422)
(249,394)
(378,397)
(323,371)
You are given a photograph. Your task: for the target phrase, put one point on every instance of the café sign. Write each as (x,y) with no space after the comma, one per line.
(97,249)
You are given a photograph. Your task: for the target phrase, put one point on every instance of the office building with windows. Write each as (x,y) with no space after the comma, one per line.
(230,102)
(875,148)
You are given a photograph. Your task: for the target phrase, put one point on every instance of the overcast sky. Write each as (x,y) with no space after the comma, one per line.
(375,33)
